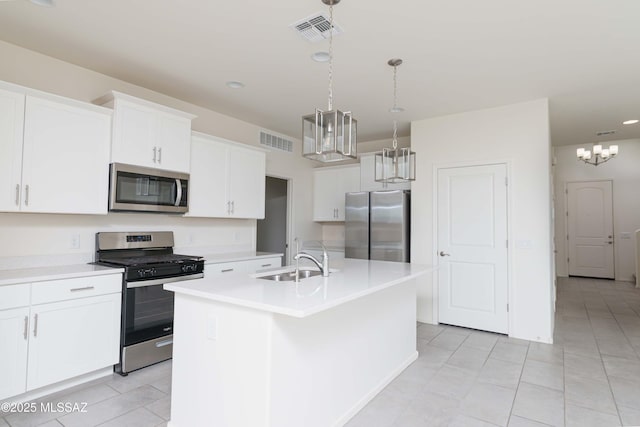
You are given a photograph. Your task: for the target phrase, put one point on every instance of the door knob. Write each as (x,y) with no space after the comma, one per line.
(442,253)
(610,242)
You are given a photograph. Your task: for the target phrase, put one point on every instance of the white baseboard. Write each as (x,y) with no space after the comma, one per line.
(62,385)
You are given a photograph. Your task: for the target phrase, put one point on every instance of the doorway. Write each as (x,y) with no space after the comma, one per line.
(471,248)
(590,229)
(272,233)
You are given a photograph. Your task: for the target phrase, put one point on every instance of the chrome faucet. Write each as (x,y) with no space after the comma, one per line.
(323,266)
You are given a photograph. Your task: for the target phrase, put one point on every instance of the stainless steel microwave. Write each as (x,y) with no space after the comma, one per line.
(140,189)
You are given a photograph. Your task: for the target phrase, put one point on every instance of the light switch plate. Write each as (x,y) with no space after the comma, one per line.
(625,235)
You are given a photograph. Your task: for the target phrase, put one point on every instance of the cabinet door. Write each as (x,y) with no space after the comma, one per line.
(208,179)
(349,181)
(11,128)
(72,338)
(368,181)
(13,357)
(246,171)
(66,158)
(329,188)
(134,135)
(174,142)
(324,194)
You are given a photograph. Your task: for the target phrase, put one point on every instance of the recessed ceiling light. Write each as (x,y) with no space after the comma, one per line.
(320,56)
(630,122)
(44,3)
(235,85)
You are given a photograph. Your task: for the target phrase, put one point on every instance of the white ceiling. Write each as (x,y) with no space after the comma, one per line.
(459,55)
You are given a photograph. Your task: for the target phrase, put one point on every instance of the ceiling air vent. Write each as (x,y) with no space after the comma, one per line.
(605,132)
(315,28)
(275,142)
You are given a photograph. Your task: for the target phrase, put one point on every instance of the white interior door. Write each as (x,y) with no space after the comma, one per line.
(472,247)
(590,226)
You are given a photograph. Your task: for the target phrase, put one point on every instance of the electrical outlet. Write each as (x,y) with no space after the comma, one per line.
(75,241)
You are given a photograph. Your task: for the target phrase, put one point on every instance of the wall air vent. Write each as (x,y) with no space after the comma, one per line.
(275,142)
(315,28)
(605,132)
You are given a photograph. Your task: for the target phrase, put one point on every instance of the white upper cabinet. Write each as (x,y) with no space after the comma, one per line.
(149,134)
(227,180)
(329,187)
(367,176)
(65,167)
(54,153)
(11,128)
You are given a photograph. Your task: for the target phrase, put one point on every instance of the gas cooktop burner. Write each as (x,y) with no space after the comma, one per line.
(155,259)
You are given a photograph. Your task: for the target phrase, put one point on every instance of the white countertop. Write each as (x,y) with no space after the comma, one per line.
(39,274)
(235,256)
(355,279)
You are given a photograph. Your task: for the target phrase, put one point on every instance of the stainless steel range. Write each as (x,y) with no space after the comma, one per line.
(147,309)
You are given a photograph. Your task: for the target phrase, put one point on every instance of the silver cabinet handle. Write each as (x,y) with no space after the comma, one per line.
(337,212)
(86,288)
(17,194)
(266,265)
(226,270)
(442,253)
(25,333)
(26,195)
(155,153)
(233,206)
(35,325)
(164,343)
(178,193)
(228,208)
(160,155)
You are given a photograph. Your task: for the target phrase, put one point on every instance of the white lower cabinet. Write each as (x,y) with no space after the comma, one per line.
(71,338)
(71,328)
(13,356)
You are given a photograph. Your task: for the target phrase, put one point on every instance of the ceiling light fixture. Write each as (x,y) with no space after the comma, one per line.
(320,56)
(235,85)
(395,164)
(630,122)
(44,3)
(597,155)
(329,136)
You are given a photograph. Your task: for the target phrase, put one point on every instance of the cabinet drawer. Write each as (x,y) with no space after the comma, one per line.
(259,264)
(14,296)
(224,267)
(67,289)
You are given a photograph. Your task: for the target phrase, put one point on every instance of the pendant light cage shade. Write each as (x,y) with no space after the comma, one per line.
(329,136)
(395,165)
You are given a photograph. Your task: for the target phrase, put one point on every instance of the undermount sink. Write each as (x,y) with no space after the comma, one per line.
(290,276)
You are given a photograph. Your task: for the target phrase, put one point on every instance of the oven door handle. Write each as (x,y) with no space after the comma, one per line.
(179,193)
(143,283)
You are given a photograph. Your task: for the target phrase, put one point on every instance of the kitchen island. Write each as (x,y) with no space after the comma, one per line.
(255,352)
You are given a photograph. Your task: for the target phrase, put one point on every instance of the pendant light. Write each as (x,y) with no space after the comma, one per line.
(394,165)
(329,136)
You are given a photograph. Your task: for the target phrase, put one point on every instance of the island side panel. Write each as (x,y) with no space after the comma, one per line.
(220,364)
(327,366)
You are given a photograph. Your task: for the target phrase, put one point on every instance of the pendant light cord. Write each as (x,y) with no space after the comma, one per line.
(330,57)
(395,105)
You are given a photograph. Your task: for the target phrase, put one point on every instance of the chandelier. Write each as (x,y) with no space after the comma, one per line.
(597,155)
(329,136)
(394,165)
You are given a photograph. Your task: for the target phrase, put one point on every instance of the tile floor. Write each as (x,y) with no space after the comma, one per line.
(589,377)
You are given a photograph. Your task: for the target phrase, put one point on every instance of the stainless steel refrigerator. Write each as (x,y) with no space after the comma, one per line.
(378,225)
